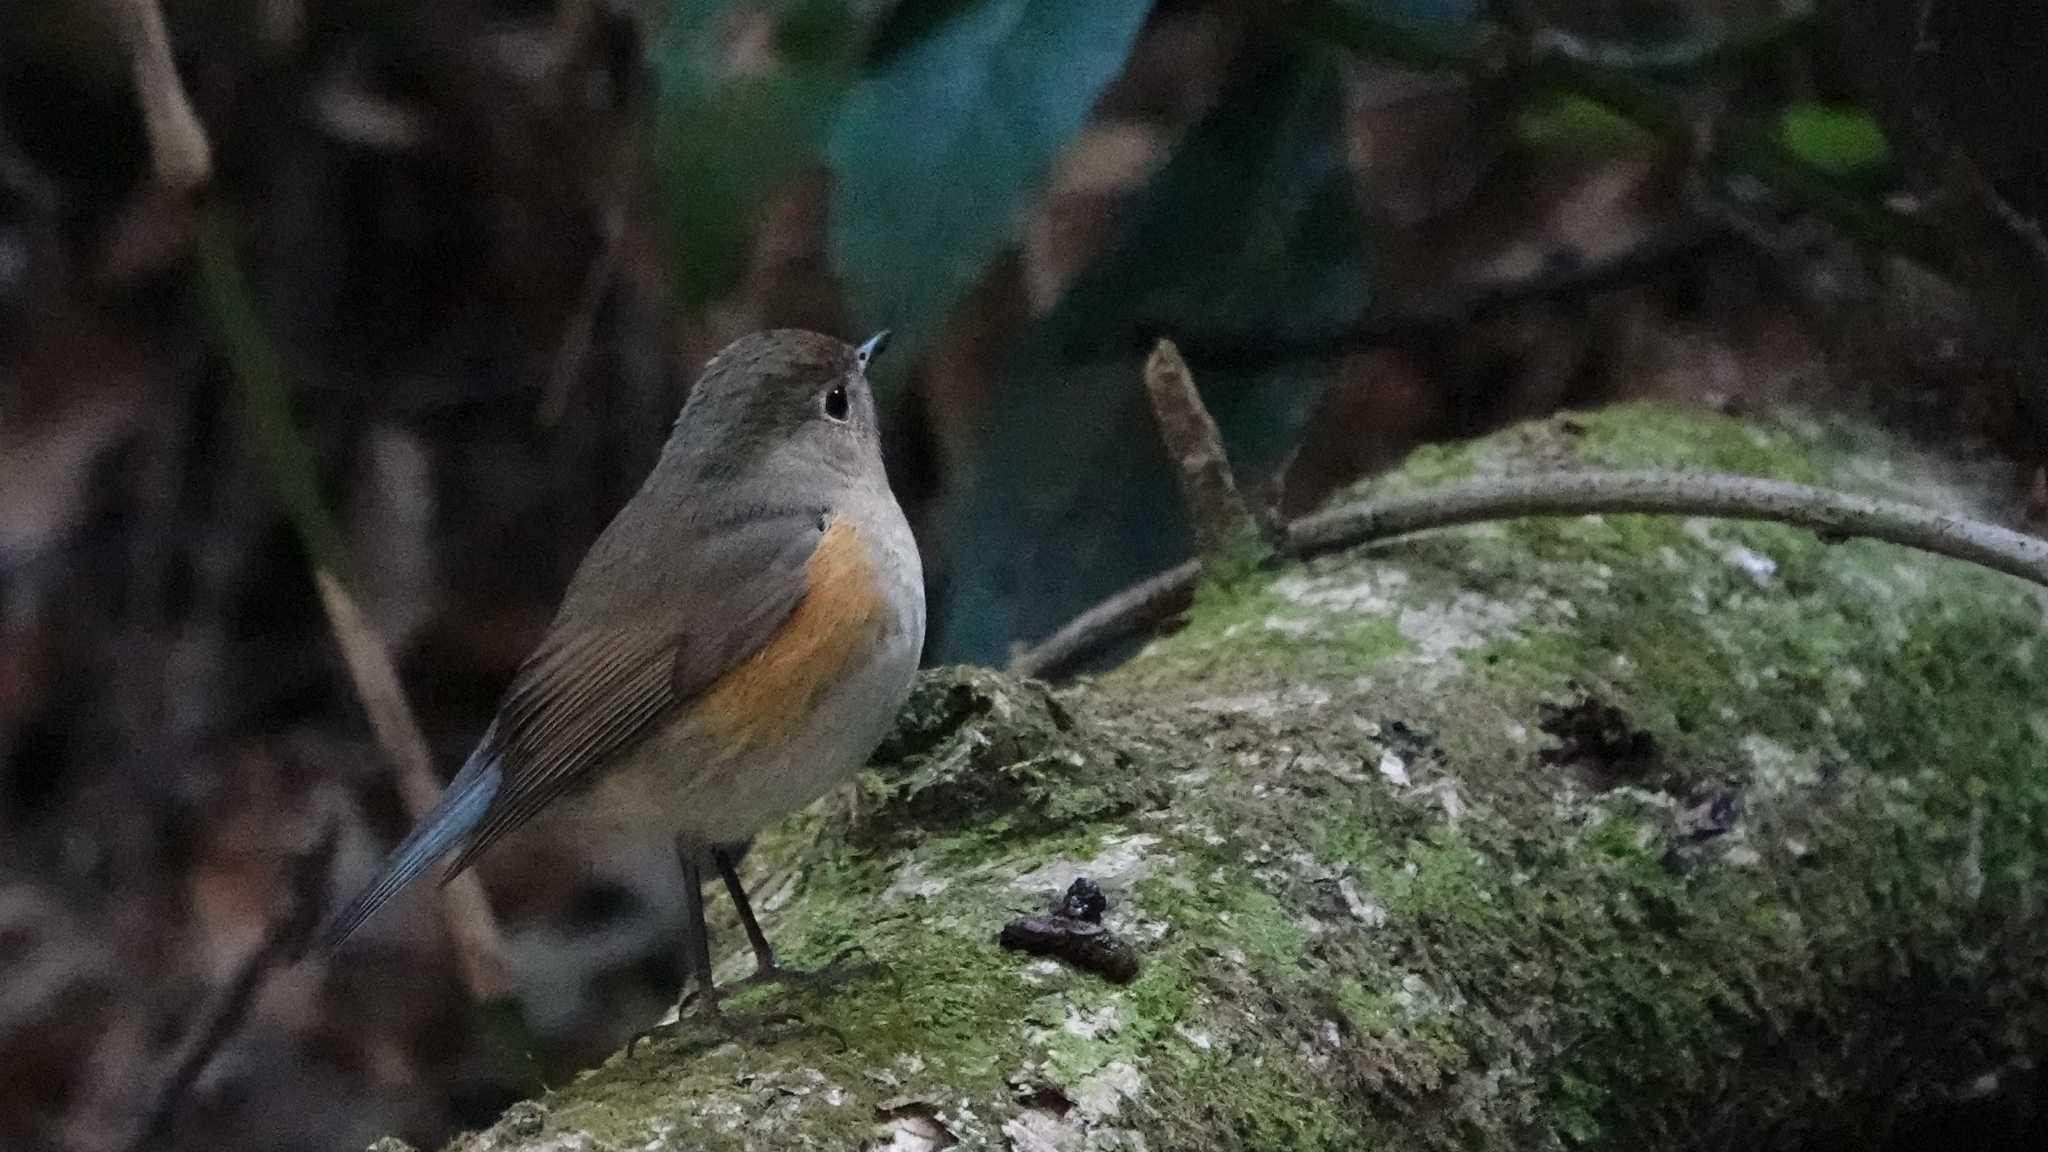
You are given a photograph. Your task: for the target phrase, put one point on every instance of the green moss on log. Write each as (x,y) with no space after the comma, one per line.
(1601,832)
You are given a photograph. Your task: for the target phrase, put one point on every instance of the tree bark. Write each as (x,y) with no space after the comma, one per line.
(1619,832)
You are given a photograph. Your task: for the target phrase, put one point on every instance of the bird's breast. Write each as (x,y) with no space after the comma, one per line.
(835,624)
(806,709)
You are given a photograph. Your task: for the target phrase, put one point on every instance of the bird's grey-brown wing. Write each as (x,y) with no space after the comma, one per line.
(610,671)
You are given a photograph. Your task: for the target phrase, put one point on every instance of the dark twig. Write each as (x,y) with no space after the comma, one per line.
(1457,305)
(1226,536)
(179,151)
(1135,609)
(284,941)
(466,909)
(2022,234)
(1704,54)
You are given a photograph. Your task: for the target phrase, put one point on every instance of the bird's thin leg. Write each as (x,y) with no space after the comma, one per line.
(696,934)
(726,861)
(726,858)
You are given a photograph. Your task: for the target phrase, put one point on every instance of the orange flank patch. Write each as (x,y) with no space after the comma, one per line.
(761,702)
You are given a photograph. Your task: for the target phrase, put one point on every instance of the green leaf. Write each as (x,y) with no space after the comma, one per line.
(938,148)
(1423,33)
(724,144)
(1573,123)
(1841,141)
(1251,233)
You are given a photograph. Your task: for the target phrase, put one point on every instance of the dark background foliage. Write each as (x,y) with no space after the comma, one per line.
(458,262)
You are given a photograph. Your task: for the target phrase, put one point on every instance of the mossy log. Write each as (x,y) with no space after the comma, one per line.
(1612,832)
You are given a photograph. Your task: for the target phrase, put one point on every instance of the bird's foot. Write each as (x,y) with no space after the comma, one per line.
(698,1004)
(834,972)
(704,1005)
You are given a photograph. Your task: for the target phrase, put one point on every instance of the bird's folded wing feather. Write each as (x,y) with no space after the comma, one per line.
(602,679)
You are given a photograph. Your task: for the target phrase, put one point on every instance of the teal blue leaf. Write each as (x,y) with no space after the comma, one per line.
(1250,236)
(1250,233)
(1431,13)
(724,144)
(938,148)
(909,22)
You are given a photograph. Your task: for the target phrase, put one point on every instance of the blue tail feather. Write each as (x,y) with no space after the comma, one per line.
(458,812)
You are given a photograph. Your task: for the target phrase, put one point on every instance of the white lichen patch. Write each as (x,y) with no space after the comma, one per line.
(1759,568)
(1102,1095)
(1315,763)
(1073,1112)
(1435,630)
(1902,473)
(565,1142)
(1446,795)
(1295,626)
(1373,594)
(913,1133)
(1123,861)
(1038,1129)
(1777,771)
(1739,852)
(780,896)
(911,883)
(1362,906)
(1039,971)
(1418,1001)
(1089,1025)
(1394,769)
(1142,930)
(1267,705)
(1467,620)
(1440,631)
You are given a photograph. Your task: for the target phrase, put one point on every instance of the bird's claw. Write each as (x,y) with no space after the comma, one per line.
(702,1005)
(699,1004)
(832,973)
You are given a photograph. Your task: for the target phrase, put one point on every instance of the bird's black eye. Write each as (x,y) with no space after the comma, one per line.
(835,402)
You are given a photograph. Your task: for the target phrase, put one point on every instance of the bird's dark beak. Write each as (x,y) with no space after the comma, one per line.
(867,352)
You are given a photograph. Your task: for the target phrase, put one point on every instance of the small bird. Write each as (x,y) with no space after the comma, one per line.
(735,643)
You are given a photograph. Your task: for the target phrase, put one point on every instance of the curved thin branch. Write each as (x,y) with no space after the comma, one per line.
(1832,515)
(1143,605)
